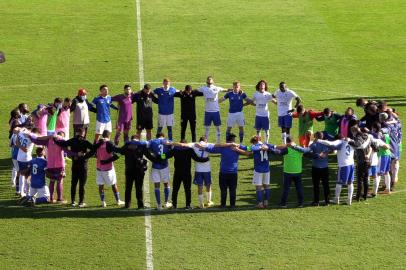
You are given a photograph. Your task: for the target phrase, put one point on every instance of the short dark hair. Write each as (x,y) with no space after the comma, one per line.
(188,87)
(147,86)
(79,130)
(102,86)
(58,100)
(359,102)
(203,138)
(40,151)
(319,135)
(326,111)
(127,86)
(14,113)
(106,134)
(230,137)
(67,99)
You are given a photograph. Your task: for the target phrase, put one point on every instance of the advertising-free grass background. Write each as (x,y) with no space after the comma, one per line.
(328,52)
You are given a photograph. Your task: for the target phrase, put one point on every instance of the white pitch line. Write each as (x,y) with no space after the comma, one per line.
(147,214)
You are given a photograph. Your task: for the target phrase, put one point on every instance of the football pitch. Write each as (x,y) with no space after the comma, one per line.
(329,52)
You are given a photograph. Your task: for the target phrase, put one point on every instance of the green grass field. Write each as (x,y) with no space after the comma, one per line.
(329,52)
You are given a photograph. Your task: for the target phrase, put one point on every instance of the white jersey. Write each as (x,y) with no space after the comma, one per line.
(284,101)
(345,152)
(202,166)
(211,96)
(261,100)
(27,143)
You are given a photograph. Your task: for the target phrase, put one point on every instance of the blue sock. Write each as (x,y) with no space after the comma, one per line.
(117,196)
(259,196)
(170,133)
(241,136)
(167,190)
(102,196)
(227,134)
(158,195)
(267,192)
(41,200)
(159,130)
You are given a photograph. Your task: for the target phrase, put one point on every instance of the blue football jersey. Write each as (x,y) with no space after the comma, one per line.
(236,101)
(165,100)
(103,108)
(158,147)
(38,167)
(261,158)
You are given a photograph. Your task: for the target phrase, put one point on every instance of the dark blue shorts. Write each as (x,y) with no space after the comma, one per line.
(202,178)
(384,164)
(210,117)
(261,122)
(285,121)
(373,171)
(23,165)
(345,175)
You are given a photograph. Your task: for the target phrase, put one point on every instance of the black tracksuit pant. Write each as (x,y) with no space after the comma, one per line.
(228,181)
(320,174)
(178,179)
(134,177)
(192,123)
(79,175)
(362,179)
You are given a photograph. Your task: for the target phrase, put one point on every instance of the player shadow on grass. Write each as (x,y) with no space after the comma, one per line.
(246,200)
(7,193)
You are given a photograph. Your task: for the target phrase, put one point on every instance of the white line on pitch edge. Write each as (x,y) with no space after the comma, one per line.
(141,82)
(148,224)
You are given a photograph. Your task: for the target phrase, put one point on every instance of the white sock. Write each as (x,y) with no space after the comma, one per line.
(13,176)
(350,192)
(387,181)
(207,132)
(266,136)
(395,171)
(208,195)
(338,192)
(284,135)
(377,179)
(200,198)
(218,134)
(21,180)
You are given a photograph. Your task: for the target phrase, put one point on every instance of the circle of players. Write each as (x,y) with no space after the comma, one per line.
(373,141)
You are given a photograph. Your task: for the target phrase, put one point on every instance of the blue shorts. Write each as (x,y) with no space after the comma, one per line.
(328,137)
(285,121)
(384,164)
(23,165)
(210,117)
(373,171)
(261,122)
(345,175)
(202,177)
